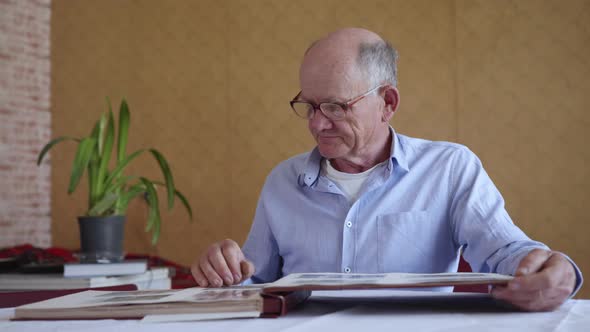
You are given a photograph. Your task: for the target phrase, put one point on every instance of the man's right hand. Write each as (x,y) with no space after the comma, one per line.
(223,263)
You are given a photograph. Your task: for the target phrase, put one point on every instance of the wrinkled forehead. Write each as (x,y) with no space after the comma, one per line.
(325,76)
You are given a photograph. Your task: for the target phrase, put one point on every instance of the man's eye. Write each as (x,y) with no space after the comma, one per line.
(332,108)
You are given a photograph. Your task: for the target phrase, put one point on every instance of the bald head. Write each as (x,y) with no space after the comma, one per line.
(353,53)
(347,38)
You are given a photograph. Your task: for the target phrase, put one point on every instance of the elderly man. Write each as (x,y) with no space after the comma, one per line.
(369,200)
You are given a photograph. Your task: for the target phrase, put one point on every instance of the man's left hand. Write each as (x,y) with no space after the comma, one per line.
(543,281)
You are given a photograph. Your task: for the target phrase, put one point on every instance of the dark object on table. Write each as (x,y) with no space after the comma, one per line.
(28,259)
(8,264)
(43,267)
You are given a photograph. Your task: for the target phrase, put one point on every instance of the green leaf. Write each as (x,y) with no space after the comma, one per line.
(96,136)
(81,162)
(94,132)
(167,176)
(127,196)
(124,121)
(119,183)
(154,218)
(101,125)
(92,180)
(93,166)
(119,187)
(121,166)
(182,199)
(105,204)
(185,203)
(105,156)
(51,143)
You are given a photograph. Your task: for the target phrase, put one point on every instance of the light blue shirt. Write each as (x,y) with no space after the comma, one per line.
(416,213)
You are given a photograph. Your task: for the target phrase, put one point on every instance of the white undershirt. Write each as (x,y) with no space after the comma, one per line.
(349,183)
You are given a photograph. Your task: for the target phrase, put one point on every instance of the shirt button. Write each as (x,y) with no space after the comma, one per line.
(347,269)
(349,224)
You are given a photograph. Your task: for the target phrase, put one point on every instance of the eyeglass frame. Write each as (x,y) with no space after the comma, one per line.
(346,106)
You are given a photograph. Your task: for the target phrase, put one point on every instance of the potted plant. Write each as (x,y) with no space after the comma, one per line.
(110,190)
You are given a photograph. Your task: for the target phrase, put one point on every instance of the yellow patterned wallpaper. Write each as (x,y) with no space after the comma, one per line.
(208,83)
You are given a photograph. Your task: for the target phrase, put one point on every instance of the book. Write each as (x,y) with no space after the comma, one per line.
(333,281)
(203,303)
(265,300)
(156,278)
(13,299)
(404,299)
(82,270)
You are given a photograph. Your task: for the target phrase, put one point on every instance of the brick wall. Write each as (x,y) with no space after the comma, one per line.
(24,122)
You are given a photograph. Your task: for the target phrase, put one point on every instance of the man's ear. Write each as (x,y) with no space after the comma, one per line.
(391,97)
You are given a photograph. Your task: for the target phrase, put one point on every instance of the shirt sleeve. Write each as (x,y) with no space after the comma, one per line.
(261,247)
(481,225)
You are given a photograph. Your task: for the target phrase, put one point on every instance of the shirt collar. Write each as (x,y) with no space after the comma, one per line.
(311,171)
(398,151)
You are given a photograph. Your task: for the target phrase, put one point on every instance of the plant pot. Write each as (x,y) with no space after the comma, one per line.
(101,239)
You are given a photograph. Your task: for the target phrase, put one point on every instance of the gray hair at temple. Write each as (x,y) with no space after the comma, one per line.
(378,61)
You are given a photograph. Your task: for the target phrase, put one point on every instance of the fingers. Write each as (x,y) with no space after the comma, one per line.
(532,262)
(216,269)
(247,269)
(198,275)
(544,281)
(555,272)
(233,256)
(221,264)
(540,300)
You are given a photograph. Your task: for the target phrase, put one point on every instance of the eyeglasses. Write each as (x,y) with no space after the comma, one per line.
(332,110)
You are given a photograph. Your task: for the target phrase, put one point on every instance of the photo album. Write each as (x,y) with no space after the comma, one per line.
(257,300)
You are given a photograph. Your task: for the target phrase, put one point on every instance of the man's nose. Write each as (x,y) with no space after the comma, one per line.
(319,121)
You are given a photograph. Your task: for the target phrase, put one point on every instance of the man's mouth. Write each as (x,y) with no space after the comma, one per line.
(327,139)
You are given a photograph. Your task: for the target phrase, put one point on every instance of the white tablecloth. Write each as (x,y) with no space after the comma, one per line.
(319,314)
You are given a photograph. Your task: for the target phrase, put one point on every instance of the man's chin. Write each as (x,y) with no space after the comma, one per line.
(329,152)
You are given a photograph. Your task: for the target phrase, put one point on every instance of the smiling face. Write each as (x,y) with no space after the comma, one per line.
(329,74)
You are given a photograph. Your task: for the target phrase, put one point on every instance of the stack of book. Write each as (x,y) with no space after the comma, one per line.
(264,300)
(89,275)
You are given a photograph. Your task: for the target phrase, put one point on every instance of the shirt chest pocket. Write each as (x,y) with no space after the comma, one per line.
(406,241)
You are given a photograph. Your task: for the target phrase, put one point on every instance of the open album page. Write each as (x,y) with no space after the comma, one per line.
(384,279)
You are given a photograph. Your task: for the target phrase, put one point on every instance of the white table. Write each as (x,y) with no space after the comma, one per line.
(326,315)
